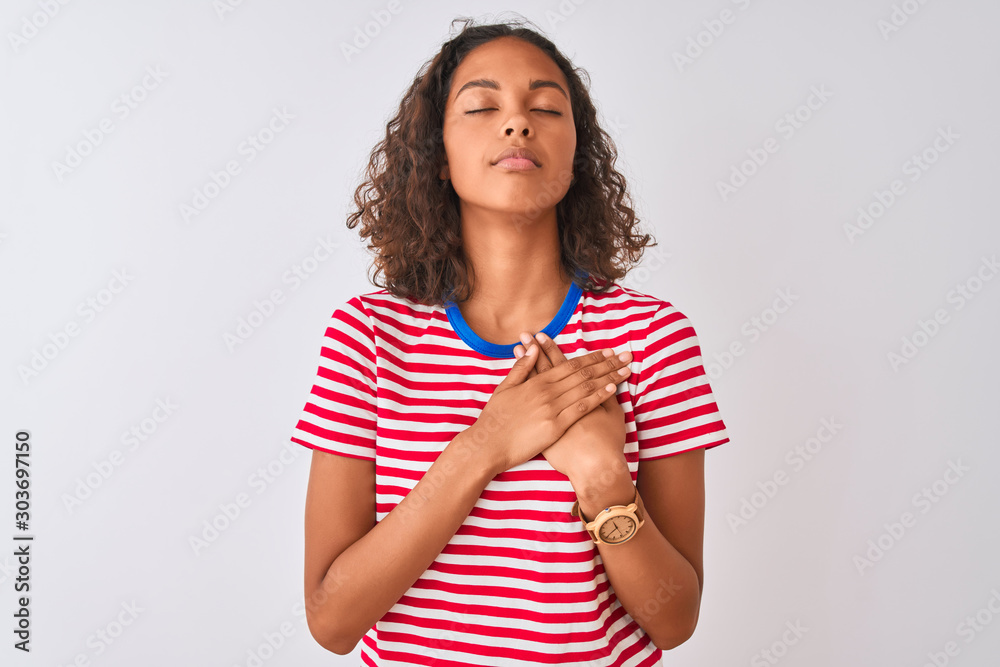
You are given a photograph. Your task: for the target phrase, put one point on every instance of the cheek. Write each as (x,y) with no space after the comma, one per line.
(569,141)
(465,162)
(459,140)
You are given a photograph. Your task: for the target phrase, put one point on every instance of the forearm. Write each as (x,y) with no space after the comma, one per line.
(654,582)
(371,575)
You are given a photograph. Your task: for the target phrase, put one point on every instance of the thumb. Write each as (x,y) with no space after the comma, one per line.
(612,403)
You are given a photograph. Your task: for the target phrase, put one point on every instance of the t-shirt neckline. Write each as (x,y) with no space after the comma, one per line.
(499,351)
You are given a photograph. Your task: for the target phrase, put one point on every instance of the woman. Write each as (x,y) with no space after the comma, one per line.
(443,513)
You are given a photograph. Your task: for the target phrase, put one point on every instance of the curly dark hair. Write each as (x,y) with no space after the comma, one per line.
(412,217)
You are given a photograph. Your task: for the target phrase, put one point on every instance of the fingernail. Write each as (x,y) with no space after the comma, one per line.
(526,339)
(518,352)
(608,353)
(540,336)
(625,356)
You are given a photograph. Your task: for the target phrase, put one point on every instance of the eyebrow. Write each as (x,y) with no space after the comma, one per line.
(490,83)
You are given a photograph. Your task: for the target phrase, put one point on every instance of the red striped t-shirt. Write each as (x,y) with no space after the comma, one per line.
(521,582)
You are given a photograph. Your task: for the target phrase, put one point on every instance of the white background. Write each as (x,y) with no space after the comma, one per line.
(680,131)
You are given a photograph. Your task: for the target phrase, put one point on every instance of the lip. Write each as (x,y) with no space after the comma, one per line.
(517,158)
(516,164)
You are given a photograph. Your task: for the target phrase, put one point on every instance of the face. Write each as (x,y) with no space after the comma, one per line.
(508,93)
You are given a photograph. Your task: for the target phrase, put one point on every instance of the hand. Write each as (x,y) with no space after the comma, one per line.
(527,414)
(595,438)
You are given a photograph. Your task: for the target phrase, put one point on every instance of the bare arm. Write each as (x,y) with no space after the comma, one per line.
(355,569)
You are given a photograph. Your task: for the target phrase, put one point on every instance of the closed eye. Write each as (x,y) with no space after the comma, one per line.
(557,113)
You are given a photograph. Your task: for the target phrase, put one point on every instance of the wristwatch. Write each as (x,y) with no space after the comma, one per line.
(614,525)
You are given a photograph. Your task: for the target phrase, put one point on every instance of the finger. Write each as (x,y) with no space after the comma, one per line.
(574,404)
(583,397)
(549,347)
(612,401)
(519,352)
(543,363)
(553,355)
(593,369)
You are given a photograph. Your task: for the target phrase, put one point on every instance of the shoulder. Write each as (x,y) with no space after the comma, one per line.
(659,335)
(367,302)
(645,313)
(380,310)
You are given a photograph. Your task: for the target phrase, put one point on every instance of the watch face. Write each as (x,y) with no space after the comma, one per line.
(617,529)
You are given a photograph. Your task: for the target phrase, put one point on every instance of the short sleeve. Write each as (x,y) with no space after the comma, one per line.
(339,414)
(673,405)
